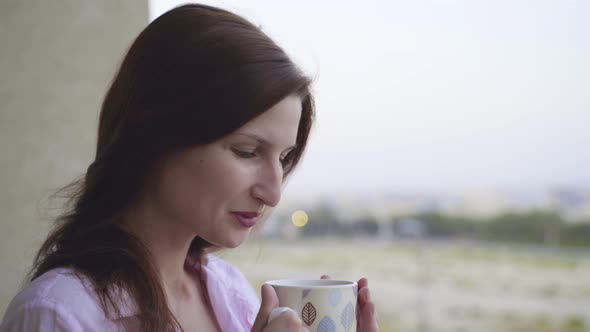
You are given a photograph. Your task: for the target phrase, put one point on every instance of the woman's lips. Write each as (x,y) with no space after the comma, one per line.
(246,219)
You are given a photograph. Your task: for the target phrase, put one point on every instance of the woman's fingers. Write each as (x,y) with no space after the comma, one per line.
(269,302)
(366,315)
(363,282)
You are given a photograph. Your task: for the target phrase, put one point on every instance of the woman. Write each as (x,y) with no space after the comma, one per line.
(204,120)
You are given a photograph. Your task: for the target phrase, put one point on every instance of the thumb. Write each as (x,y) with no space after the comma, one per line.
(269,301)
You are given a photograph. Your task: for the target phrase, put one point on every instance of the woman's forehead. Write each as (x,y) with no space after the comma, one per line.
(278,125)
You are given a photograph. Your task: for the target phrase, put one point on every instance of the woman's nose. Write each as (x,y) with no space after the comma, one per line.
(268,185)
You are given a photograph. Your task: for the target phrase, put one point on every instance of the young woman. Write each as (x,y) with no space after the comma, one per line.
(203,122)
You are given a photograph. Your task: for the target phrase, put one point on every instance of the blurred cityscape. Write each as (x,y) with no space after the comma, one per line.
(558,216)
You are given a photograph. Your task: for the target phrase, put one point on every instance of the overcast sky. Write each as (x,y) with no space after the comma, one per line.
(437,96)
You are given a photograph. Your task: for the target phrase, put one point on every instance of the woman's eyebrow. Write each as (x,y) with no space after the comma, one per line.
(263,141)
(255,137)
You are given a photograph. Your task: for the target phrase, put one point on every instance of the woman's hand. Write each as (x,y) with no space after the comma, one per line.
(366,316)
(287,321)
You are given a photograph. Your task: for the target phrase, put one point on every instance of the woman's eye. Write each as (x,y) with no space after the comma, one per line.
(285,160)
(244,154)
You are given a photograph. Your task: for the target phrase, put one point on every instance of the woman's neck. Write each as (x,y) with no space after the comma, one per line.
(168,243)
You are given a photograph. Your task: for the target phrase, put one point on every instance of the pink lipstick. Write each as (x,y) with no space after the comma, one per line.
(246,219)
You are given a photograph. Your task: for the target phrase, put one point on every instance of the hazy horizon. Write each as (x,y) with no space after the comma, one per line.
(446,96)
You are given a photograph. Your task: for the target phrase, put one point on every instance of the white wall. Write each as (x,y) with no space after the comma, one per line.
(57,58)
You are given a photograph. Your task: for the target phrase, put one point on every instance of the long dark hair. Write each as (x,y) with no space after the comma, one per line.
(194,75)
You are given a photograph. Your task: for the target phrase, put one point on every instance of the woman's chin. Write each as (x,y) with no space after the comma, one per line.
(230,243)
(236,243)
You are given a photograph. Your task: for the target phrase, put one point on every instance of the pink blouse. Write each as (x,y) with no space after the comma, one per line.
(59,301)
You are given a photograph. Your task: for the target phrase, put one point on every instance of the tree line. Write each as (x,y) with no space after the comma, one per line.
(531,227)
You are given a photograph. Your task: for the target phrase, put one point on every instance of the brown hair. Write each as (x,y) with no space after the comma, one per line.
(194,75)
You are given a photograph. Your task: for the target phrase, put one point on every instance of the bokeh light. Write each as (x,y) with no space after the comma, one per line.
(299,218)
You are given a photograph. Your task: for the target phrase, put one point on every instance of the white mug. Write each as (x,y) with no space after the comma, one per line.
(324,305)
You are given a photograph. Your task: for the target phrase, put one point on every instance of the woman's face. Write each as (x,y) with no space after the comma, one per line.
(219,190)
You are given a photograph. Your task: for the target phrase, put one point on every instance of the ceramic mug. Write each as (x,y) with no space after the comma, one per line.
(324,305)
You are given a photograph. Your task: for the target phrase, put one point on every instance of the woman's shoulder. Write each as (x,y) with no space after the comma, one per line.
(59,297)
(62,286)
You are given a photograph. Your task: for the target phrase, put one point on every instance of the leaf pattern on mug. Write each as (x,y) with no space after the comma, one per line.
(327,325)
(308,313)
(347,316)
(334,297)
(305,293)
